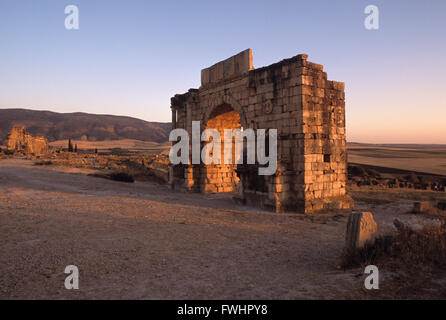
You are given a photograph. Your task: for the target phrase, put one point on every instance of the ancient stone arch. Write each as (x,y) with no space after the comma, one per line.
(224,99)
(292,96)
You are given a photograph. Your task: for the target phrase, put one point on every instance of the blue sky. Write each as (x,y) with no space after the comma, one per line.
(130,57)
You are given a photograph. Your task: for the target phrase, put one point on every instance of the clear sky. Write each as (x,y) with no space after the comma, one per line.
(130,57)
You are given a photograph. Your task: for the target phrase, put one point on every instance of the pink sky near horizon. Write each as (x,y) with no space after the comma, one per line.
(404,113)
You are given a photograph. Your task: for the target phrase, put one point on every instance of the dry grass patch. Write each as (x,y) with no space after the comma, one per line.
(406,249)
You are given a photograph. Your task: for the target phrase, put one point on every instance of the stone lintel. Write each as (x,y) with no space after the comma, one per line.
(235,65)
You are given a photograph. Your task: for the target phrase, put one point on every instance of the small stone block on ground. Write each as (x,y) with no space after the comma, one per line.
(361,229)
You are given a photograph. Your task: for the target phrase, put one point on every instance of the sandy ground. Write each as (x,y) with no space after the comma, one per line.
(144,241)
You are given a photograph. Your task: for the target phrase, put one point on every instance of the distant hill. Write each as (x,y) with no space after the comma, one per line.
(82,126)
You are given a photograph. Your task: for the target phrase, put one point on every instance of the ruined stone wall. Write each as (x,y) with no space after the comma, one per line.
(20,140)
(294,97)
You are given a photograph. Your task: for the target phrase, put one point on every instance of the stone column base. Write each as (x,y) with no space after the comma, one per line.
(261,200)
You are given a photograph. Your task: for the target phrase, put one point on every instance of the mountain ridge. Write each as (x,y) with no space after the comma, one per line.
(80,125)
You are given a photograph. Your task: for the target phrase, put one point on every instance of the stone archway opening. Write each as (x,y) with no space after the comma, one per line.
(222,177)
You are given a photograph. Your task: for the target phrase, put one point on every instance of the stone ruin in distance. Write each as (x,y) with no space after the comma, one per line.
(292,96)
(21,141)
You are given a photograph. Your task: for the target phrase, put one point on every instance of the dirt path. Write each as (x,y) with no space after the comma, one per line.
(144,241)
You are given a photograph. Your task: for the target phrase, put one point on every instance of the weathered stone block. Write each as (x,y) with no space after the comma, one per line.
(235,65)
(361,229)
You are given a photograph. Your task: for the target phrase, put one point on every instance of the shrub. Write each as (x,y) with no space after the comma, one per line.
(357,171)
(8,152)
(369,254)
(409,247)
(43,163)
(122,176)
(423,179)
(413,178)
(373,173)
